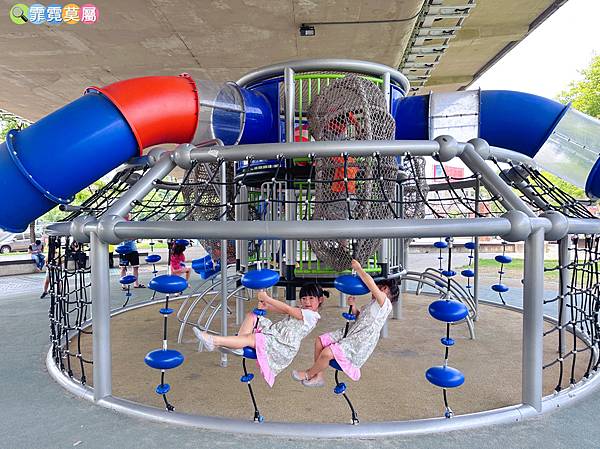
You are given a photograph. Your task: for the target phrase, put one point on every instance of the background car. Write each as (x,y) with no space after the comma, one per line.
(16,242)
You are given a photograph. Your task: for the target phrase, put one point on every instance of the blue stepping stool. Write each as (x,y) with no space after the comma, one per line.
(165,359)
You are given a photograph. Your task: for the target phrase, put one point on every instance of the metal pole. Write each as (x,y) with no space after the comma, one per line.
(343,302)
(476,278)
(139,190)
(241,215)
(384,252)
(563,262)
(493,182)
(290,210)
(476,255)
(356,148)
(320,229)
(533,320)
(397,306)
(100,291)
(316,65)
(224,289)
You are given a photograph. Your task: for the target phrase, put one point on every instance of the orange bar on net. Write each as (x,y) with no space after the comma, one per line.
(351,170)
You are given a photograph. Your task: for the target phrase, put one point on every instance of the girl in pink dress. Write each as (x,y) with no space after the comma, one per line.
(277,343)
(353,350)
(177,259)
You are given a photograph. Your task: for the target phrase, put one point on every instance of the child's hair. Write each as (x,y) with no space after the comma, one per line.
(392,284)
(178,249)
(313,289)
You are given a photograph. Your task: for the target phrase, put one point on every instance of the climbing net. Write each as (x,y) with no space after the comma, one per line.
(577,301)
(70,304)
(351,108)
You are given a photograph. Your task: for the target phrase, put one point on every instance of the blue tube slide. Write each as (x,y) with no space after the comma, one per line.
(516,121)
(561,140)
(46,163)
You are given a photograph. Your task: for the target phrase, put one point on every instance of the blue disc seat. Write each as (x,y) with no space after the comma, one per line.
(445,376)
(122,249)
(260,279)
(500,288)
(503,259)
(468,273)
(164,359)
(350,284)
(129,279)
(168,284)
(448,311)
(152,258)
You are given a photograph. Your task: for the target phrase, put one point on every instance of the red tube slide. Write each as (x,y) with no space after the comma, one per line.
(159,109)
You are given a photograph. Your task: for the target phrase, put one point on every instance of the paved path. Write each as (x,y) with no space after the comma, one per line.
(36,413)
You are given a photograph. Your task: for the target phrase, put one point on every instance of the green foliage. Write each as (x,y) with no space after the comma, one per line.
(565,186)
(56,214)
(7,123)
(585,94)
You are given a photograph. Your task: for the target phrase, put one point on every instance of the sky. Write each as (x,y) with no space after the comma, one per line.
(547,60)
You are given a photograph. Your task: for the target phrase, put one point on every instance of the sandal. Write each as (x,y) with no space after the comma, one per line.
(314,382)
(296,376)
(139,286)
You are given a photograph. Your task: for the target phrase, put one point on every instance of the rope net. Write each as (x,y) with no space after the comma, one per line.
(351,188)
(70,303)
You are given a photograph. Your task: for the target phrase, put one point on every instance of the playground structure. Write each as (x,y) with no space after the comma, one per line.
(265,194)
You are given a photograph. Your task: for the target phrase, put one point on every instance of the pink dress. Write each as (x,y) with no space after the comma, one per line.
(176,260)
(352,351)
(277,343)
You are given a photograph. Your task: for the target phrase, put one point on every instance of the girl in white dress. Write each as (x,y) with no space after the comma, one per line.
(352,351)
(277,343)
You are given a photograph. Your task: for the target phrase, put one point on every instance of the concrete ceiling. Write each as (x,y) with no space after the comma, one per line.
(43,67)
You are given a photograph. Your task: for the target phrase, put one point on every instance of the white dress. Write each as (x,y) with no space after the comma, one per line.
(277,343)
(352,351)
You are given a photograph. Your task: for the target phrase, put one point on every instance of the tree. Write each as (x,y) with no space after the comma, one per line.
(585,94)
(10,122)
(56,214)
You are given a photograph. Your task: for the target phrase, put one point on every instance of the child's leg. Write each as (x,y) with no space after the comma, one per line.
(321,363)
(248,324)
(318,348)
(235,341)
(187,274)
(299,375)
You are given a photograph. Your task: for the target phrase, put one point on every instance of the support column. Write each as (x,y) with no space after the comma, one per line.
(290,209)
(533,320)
(224,290)
(402,249)
(100,292)
(476,278)
(384,255)
(241,248)
(476,255)
(563,310)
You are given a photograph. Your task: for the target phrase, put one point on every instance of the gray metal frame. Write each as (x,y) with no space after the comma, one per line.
(311,65)
(519,224)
